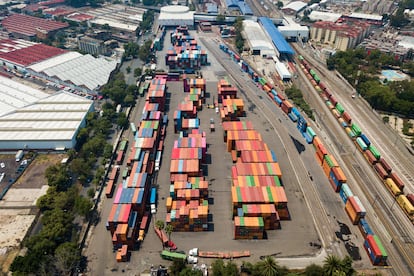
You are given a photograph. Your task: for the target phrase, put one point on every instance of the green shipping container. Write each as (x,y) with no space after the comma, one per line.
(374,152)
(310,131)
(300,58)
(313,73)
(356,129)
(316,78)
(329,104)
(340,108)
(380,246)
(329,161)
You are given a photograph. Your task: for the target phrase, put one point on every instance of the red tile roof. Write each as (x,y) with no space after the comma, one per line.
(51,2)
(25,55)
(27,25)
(57,11)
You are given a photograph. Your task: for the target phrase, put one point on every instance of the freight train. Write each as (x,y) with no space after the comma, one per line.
(353,206)
(390,179)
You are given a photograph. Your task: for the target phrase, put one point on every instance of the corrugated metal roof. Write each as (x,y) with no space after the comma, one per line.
(46,117)
(296,6)
(324,16)
(366,16)
(256,36)
(277,38)
(85,70)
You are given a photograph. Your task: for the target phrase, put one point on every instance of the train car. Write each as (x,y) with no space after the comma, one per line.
(406,205)
(392,187)
(397,180)
(385,165)
(382,173)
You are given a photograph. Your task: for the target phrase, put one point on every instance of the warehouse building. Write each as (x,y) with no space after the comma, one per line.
(30,27)
(32,119)
(324,16)
(256,38)
(171,16)
(293,31)
(283,48)
(92,46)
(294,8)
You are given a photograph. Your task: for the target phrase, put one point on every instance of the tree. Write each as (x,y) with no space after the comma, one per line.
(83,206)
(176,267)
(169,229)
(221,18)
(279,4)
(67,256)
(217,267)
(269,267)
(332,265)
(313,270)
(58,176)
(160,224)
(128,69)
(137,72)
(122,120)
(347,266)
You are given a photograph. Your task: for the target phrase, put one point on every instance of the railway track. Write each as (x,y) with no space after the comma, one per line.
(401,236)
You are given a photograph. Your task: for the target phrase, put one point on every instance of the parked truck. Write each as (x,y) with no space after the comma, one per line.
(19,155)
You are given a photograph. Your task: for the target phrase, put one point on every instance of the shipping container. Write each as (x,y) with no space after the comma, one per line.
(347,117)
(374,151)
(385,165)
(392,187)
(370,157)
(406,205)
(366,140)
(365,228)
(361,144)
(345,192)
(380,171)
(397,180)
(410,198)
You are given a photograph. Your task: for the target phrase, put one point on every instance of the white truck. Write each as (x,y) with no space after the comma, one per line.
(19,155)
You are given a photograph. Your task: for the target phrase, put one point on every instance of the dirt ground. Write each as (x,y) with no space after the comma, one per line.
(397,124)
(17,208)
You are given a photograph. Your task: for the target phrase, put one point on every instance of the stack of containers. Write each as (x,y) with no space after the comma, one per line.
(375,250)
(236,125)
(248,228)
(345,192)
(320,149)
(336,178)
(266,211)
(129,204)
(225,90)
(232,109)
(309,134)
(354,209)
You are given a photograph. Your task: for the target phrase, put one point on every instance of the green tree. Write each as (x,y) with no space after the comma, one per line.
(269,267)
(279,4)
(231,269)
(332,265)
(169,229)
(128,69)
(67,256)
(176,267)
(314,270)
(218,267)
(137,72)
(188,271)
(58,176)
(83,206)
(122,120)
(160,224)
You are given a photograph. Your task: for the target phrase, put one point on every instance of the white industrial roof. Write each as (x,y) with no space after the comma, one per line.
(324,16)
(296,5)
(84,70)
(54,117)
(172,13)
(14,95)
(256,36)
(40,66)
(114,24)
(293,28)
(406,42)
(282,70)
(366,16)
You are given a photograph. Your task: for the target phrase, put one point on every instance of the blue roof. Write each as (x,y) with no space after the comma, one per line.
(277,38)
(231,4)
(212,8)
(244,8)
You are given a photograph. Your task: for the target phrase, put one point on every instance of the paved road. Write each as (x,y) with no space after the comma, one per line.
(386,219)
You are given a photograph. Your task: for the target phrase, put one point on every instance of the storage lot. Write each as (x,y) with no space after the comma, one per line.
(292,240)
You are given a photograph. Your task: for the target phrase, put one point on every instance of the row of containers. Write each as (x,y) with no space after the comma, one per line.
(129,217)
(258,196)
(353,206)
(158,42)
(385,172)
(231,107)
(185,53)
(185,116)
(334,173)
(187,204)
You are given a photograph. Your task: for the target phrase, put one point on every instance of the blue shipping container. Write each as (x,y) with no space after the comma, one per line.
(308,138)
(153,197)
(277,100)
(365,228)
(296,112)
(292,117)
(366,140)
(345,192)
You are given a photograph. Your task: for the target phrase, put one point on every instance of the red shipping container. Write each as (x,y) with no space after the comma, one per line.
(385,165)
(347,117)
(339,174)
(381,171)
(370,157)
(410,198)
(373,245)
(397,180)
